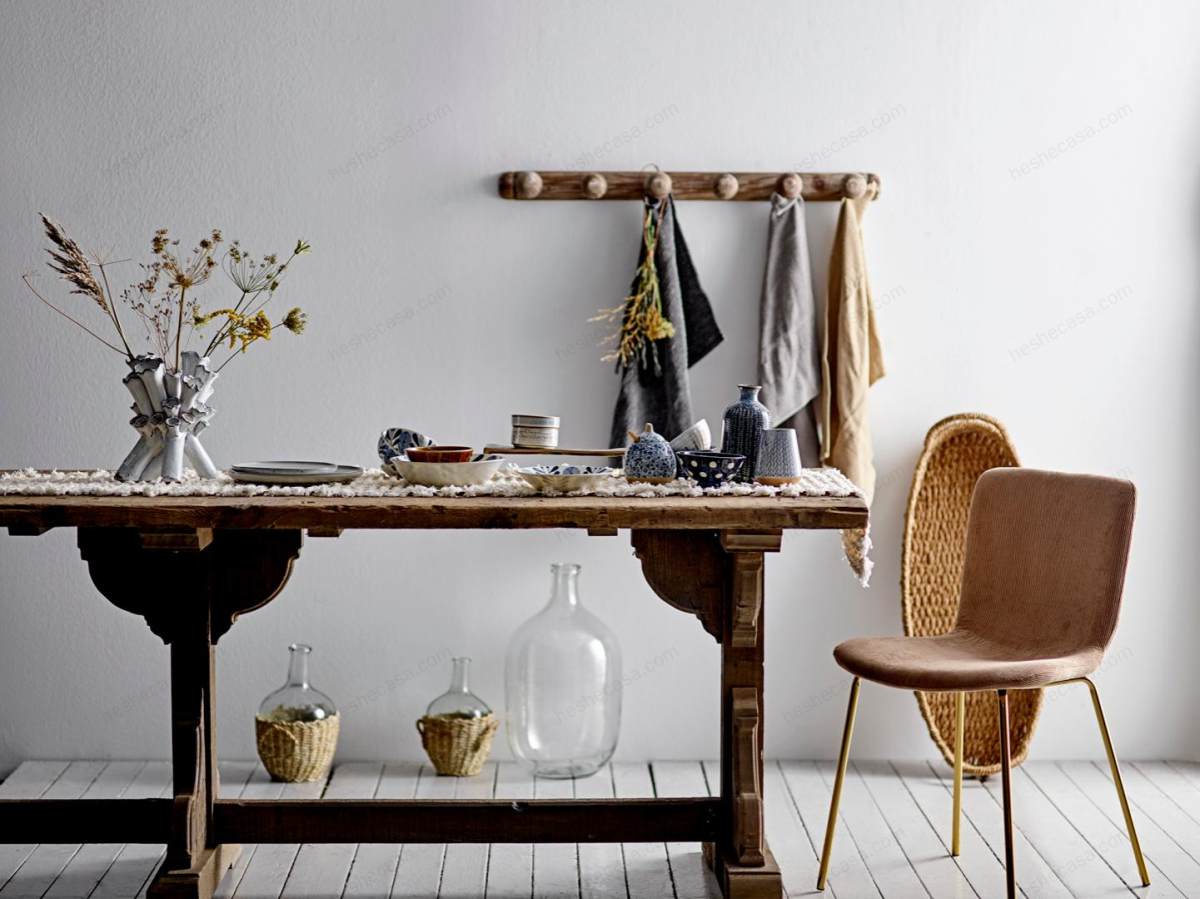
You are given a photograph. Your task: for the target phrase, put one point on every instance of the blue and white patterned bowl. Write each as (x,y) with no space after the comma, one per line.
(708,468)
(566,478)
(396,441)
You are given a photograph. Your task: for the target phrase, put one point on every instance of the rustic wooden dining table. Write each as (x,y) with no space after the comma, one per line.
(229,555)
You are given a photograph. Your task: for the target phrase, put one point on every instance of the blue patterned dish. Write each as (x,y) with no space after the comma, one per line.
(566,478)
(396,441)
(710,469)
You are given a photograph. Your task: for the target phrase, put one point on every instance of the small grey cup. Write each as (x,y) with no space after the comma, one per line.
(778,457)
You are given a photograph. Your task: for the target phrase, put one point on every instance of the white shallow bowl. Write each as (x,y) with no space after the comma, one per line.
(445,474)
(566,478)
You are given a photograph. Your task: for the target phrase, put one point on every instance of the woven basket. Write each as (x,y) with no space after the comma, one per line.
(457,746)
(297,751)
(958,449)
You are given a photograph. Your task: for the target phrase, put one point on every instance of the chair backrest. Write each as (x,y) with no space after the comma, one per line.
(1045,560)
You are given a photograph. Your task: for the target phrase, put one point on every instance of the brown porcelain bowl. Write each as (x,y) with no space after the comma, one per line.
(439,453)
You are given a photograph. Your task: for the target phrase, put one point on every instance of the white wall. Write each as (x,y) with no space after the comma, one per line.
(376,131)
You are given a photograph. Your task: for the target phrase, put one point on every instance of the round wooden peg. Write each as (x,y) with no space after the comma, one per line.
(854,186)
(595,186)
(726,187)
(658,185)
(791,185)
(528,185)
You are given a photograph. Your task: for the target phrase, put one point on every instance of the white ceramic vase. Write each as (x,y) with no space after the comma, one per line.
(170,410)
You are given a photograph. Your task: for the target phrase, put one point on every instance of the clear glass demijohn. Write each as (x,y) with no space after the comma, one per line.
(459,701)
(297,700)
(563,686)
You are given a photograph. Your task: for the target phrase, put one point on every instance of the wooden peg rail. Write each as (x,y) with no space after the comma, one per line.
(813,186)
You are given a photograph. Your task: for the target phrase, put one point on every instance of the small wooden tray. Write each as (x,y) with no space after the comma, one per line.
(552,451)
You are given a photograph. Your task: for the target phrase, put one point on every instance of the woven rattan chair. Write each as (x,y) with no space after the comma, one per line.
(1041,589)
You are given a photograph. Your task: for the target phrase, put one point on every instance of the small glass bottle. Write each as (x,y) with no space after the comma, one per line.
(297,700)
(563,686)
(459,701)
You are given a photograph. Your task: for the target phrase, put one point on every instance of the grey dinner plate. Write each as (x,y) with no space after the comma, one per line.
(295,473)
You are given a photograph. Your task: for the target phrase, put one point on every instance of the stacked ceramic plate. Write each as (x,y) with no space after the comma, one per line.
(294,473)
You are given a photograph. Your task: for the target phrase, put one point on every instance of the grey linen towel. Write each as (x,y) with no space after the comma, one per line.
(663,397)
(789,362)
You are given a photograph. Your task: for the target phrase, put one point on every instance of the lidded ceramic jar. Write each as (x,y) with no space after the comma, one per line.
(650,459)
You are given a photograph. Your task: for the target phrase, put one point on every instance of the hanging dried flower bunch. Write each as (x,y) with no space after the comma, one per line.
(641,315)
(164,300)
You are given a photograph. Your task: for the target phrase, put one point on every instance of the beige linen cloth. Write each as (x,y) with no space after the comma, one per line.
(852,360)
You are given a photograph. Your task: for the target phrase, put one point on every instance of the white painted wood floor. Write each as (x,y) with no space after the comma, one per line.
(892,840)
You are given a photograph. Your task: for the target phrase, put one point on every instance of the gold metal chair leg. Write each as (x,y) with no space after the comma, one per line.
(1006,772)
(843,759)
(961,718)
(1116,776)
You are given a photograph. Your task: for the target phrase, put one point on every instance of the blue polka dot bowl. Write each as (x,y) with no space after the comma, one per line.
(708,468)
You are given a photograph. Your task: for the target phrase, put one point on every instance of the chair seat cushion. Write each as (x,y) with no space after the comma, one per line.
(959,660)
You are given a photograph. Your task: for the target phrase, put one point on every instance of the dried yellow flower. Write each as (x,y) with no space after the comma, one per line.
(295,320)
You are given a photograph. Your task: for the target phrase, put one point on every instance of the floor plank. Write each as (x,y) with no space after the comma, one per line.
(1080,866)
(30,781)
(375,864)
(46,862)
(892,841)
(1153,803)
(1163,854)
(321,869)
(1189,770)
(916,837)
(647,871)
(601,865)
(419,873)
(885,859)
(1101,833)
(258,785)
(692,878)
(979,864)
(1034,877)
(134,865)
(793,845)
(464,870)
(555,865)
(1171,781)
(88,866)
(848,875)
(268,868)
(510,865)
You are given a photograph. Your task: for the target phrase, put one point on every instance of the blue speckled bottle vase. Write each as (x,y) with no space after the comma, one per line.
(744,424)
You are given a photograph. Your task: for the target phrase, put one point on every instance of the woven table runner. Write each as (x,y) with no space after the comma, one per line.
(374,482)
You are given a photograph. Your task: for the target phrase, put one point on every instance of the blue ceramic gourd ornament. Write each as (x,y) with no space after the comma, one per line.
(650,458)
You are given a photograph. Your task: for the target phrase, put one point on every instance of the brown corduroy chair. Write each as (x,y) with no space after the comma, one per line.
(1041,589)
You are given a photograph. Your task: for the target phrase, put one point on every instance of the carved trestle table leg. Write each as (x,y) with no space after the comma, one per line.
(190,586)
(719,578)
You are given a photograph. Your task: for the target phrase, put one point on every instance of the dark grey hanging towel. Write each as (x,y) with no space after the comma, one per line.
(789,361)
(663,397)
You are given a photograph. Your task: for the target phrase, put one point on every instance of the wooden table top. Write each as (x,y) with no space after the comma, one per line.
(33,514)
